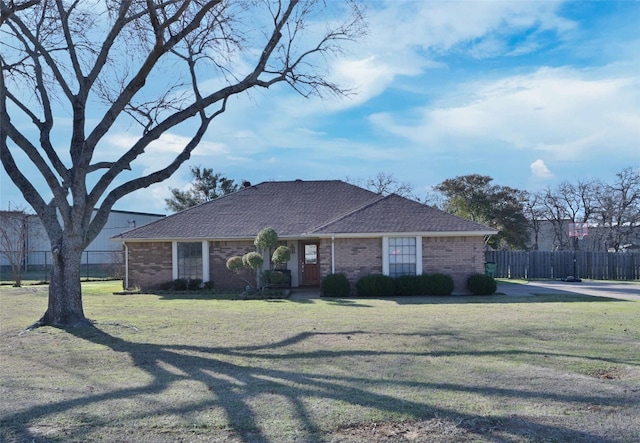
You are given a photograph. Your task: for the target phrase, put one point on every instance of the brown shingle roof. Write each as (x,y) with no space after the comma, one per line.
(302,208)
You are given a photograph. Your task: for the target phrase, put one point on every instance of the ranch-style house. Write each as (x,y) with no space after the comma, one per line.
(329,226)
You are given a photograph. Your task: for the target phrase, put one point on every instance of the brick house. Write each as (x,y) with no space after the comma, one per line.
(330,227)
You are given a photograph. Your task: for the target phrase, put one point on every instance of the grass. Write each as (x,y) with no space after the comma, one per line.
(157,368)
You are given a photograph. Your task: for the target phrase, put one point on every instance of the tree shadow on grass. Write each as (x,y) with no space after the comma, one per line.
(236,381)
(555,297)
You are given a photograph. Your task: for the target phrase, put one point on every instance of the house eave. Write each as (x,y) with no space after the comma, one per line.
(406,234)
(317,235)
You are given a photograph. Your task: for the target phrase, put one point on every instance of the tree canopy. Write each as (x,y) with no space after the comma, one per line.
(73,73)
(205,187)
(474,197)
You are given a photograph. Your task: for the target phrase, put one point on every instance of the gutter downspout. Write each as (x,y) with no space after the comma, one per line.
(126,266)
(333,253)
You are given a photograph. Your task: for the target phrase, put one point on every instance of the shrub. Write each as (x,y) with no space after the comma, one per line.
(407,285)
(180,284)
(208,285)
(439,284)
(252,260)
(375,285)
(275,277)
(335,285)
(235,264)
(281,255)
(481,284)
(194,284)
(266,239)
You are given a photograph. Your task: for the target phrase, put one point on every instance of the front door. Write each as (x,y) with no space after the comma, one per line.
(310,266)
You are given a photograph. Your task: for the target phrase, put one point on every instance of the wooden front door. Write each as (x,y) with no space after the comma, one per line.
(310,266)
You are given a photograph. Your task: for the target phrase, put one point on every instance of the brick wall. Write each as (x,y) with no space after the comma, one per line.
(219,253)
(149,264)
(457,256)
(355,257)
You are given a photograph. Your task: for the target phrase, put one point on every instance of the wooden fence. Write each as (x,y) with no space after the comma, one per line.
(561,264)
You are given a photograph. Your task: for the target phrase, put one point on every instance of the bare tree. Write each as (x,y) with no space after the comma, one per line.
(384,184)
(579,202)
(618,214)
(555,212)
(534,212)
(14,240)
(100,64)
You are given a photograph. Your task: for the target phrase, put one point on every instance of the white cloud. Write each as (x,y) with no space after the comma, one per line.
(540,170)
(408,38)
(565,112)
(167,143)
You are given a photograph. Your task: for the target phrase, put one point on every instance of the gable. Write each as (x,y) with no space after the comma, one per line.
(395,214)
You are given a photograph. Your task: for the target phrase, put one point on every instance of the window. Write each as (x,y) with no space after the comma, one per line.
(190,260)
(402,256)
(311,254)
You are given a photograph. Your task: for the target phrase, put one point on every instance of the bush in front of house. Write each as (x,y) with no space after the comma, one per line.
(190,284)
(438,284)
(425,284)
(335,285)
(376,285)
(407,285)
(180,284)
(481,284)
(194,284)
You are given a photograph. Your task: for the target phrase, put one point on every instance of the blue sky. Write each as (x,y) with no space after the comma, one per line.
(529,93)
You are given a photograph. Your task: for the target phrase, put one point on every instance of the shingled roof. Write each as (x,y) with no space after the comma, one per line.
(303,209)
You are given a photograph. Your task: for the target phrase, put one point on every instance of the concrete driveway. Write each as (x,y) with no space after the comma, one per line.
(623,290)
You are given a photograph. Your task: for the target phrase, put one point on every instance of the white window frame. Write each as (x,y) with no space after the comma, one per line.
(385,252)
(205,259)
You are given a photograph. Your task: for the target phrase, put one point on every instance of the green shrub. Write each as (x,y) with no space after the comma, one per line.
(438,284)
(481,284)
(180,284)
(335,285)
(281,255)
(423,284)
(252,260)
(235,264)
(194,284)
(208,285)
(375,285)
(275,277)
(408,285)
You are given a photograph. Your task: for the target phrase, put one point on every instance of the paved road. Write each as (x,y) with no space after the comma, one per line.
(624,290)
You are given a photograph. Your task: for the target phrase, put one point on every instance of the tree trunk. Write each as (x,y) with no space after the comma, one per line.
(65,293)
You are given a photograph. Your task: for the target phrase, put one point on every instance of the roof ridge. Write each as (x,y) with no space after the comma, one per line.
(337,218)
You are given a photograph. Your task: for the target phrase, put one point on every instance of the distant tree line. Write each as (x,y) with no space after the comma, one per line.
(611,209)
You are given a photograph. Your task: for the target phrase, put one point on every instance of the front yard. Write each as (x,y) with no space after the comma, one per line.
(448,369)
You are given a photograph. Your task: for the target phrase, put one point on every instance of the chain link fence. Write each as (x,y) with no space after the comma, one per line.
(95,265)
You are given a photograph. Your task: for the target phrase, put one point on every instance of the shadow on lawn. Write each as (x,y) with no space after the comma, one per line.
(556,297)
(233,387)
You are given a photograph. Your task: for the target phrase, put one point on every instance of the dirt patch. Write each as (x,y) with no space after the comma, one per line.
(433,430)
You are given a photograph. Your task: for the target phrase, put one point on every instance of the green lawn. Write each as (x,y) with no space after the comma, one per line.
(157,368)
